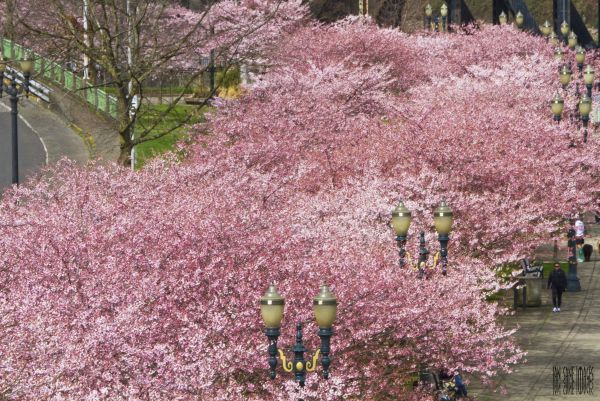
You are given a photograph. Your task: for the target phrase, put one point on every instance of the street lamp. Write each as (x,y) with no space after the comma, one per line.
(502,18)
(553,38)
(588,78)
(585,107)
(546,29)
(557,104)
(443,219)
(580,57)
(10,87)
(401,218)
(428,12)
(572,41)
(324,308)
(519,19)
(444,14)
(558,54)
(565,76)
(564,30)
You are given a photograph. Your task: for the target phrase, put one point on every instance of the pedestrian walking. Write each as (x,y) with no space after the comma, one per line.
(557,281)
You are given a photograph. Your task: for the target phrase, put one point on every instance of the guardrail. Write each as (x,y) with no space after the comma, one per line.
(55,73)
(35,87)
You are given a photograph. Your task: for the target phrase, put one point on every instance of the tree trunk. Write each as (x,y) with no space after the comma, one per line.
(9,26)
(125,156)
(126,143)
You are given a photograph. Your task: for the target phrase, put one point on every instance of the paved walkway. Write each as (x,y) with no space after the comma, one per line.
(557,341)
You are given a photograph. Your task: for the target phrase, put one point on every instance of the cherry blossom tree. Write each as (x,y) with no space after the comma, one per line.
(134,40)
(145,286)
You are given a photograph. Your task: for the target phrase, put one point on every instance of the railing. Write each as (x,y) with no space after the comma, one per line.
(35,87)
(55,73)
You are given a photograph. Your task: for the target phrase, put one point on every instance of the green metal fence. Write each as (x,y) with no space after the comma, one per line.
(54,72)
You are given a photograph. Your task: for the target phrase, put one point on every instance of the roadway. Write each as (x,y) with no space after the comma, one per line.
(32,155)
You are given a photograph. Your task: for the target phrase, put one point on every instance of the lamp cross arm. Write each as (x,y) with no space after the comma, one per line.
(288,366)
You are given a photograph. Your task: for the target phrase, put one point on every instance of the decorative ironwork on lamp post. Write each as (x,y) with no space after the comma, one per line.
(324,308)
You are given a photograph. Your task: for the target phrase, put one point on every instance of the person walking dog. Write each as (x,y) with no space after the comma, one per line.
(557,281)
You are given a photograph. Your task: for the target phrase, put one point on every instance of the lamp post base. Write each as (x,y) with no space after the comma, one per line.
(573,284)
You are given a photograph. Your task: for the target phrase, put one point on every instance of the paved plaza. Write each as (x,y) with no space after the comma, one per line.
(556,342)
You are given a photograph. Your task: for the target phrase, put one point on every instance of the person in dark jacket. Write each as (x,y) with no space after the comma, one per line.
(557,280)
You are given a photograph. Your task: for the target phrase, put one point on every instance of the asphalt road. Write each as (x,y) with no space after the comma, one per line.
(32,155)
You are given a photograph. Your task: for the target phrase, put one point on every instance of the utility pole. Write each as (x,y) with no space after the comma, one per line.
(131,41)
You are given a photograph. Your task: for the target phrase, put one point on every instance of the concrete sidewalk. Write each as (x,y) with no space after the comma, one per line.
(58,139)
(556,341)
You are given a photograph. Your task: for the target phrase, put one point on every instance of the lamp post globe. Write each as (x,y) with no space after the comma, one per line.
(572,40)
(557,105)
(519,19)
(428,10)
(585,107)
(502,18)
(271,308)
(565,75)
(443,219)
(444,10)
(325,308)
(546,28)
(564,29)
(401,218)
(558,54)
(553,38)
(26,65)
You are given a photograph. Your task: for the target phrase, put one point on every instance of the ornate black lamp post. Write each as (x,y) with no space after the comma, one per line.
(428,13)
(585,107)
(443,219)
(10,87)
(588,77)
(444,14)
(324,307)
(573,284)
(557,104)
(580,57)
